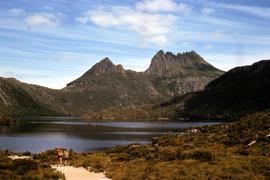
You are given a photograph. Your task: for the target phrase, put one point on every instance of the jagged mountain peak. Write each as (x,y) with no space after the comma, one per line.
(163,64)
(169,64)
(187,53)
(106,60)
(105,67)
(160,52)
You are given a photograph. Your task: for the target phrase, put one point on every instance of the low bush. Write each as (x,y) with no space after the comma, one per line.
(25,169)
(202,156)
(23,166)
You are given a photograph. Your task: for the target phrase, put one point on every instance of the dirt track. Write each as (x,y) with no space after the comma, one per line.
(73,173)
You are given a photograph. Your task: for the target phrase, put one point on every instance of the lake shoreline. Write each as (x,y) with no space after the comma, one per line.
(193,119)
(41,133)
(214,152)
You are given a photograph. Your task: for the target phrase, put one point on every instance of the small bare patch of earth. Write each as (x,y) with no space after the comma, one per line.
(79,173)
(14,157)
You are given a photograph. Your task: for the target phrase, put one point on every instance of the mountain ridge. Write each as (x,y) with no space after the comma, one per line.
(168,64)
(240,91)
(163,65)
(107,85)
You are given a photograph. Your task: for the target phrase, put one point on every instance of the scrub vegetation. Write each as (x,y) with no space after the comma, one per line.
(25,169)
(235,150)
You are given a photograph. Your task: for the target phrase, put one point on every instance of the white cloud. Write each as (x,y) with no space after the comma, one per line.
(16,12)
(263,12)
(162,6)
(40,19)
(153,28)
(207,11)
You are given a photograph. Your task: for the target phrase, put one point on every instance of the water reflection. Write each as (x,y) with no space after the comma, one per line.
(37,134)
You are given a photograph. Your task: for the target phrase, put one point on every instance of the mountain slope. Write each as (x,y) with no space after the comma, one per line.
(17,98)
(237,92)
(108,85)
(183,64)
(179,74)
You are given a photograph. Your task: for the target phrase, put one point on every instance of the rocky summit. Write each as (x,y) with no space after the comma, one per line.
(183,64)
(167,75)
(106,85)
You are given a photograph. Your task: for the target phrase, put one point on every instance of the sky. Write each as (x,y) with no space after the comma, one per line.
(53,42)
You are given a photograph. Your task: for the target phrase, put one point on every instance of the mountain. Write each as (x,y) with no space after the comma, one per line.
(179,74)
(21,99)
(237,92)
(183,64)
(108,85)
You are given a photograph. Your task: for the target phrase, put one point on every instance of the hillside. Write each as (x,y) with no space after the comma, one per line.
(237,92)
(22,99)
(108,85)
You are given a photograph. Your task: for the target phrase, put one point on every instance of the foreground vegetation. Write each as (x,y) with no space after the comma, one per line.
(237,150)
(25,169)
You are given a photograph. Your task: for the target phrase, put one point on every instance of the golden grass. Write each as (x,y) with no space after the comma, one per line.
(216,152)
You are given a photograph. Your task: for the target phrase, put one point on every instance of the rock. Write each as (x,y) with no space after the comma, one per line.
(251,143)
(169,65)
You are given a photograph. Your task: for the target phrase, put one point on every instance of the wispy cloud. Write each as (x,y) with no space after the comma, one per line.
(148,26)
(207,11)
(16,12)
(153,27)
(41,19)
(162,6)
(263,12)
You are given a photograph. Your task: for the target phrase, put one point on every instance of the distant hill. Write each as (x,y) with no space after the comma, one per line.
(17,98)
(237,92)
(108,85)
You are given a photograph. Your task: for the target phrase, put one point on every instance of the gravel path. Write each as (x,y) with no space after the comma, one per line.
(74,173)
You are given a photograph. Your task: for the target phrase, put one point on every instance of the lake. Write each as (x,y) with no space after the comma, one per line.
(42,133)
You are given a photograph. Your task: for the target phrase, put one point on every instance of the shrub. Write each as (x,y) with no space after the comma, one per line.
(167,154)
(122,157)
(202,156)
(137,151)
(23,166)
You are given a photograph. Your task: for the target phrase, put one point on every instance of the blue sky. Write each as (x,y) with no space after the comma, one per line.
(52,42)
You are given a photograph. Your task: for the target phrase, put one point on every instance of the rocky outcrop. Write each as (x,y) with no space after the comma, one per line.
(183,73)
(104,68)
(183,64)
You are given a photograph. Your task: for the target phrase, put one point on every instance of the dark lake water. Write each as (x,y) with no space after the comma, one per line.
(38,134)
